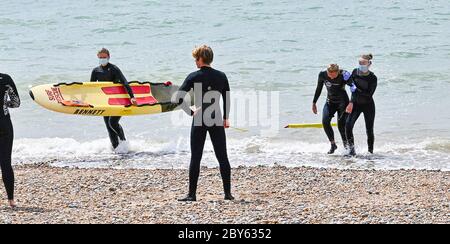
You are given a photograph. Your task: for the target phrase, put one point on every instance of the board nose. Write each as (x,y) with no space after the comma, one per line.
(31,95)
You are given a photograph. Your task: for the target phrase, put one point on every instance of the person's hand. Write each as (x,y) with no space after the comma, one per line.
(195,110)
(134,101)
(353,88)
(226,123)
(314,108)
(349,109)
(347,75)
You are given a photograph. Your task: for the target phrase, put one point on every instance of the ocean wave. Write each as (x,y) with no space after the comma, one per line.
(431,154)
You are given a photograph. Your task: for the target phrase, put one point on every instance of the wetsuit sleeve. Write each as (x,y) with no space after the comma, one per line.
(14,99)
(93,76)
(366,93)
(124,82)
(373,86)
(188,84)
(186,87)
(318,89)
(226,99)
(348,77)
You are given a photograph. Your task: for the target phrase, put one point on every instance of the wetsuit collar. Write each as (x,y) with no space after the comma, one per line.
(105,67)
(364,74)
(206,67)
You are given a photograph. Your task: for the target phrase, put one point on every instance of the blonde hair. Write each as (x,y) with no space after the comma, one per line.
(205,53)
(333,68)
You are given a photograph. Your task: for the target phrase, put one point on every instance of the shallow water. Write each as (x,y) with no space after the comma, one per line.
(262,46)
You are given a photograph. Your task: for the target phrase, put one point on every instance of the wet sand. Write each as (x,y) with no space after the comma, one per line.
(263,195)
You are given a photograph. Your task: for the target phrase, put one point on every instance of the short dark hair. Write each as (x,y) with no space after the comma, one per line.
(104,51)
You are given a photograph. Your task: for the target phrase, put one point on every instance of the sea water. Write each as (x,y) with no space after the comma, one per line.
(270,49)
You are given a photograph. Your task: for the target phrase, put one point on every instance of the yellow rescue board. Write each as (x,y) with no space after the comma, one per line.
(105,98)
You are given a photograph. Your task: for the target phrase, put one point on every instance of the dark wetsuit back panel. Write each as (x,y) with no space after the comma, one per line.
(212,81)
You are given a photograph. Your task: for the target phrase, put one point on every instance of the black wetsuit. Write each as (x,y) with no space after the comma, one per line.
(9,98)
(205,122)
(337,101)
(112,73)
(363,103)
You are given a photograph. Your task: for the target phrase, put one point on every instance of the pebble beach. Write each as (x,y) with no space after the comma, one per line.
(264,195)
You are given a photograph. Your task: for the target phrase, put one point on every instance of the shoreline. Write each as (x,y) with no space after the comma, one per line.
(264,195)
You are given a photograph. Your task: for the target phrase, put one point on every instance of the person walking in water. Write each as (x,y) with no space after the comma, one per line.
(335,81)
(10,99)
(109,72)
(365,84)
(209,86)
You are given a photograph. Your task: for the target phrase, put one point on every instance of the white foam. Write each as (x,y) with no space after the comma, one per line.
(123,148)
(254,151)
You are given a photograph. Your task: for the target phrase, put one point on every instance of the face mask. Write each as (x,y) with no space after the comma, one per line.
(364,68)
(103,61)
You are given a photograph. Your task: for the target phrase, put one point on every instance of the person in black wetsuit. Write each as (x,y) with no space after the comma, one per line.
(335,81)
(209,85)
(9,99)
(109,72)
(365,85)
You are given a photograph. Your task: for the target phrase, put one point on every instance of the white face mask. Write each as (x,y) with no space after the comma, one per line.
(364,68)
(104,61)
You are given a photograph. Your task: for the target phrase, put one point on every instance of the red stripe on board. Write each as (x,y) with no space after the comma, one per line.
(116,90)
(127,102)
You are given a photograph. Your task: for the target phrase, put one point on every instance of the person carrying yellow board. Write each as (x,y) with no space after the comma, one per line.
(109,72)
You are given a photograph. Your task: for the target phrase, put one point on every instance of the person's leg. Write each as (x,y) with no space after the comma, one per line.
(369,117)
(342,119)
(328,114)
(117,128)
(113,137)
(198,138)
(351,121)
(219,141)
(6,144)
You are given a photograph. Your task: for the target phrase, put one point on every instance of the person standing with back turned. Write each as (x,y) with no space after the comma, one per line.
(209,85)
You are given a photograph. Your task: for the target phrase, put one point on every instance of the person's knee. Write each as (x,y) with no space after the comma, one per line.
(114,124)
(7,171)
(225,164)
(223,160)
(326,122)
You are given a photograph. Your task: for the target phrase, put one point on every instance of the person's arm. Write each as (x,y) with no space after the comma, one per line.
(226,99)
(320,84)
(373,86)
(13,94)
(93,76)
(124,81)
(373,83)
(184,89)
(319,89)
